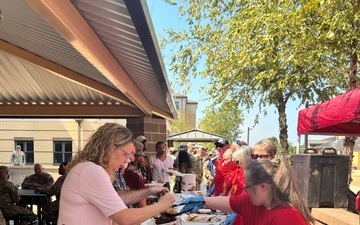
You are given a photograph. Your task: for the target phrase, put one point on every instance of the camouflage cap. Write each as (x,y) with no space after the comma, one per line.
(4,168)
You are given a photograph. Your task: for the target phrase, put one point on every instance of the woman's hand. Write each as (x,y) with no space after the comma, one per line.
(157,190)
(167,200)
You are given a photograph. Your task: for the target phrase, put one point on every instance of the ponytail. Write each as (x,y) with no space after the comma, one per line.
(286,190)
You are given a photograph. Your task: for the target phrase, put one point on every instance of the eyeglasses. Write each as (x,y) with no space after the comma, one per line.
(259,156)
(247,186)
(127,155)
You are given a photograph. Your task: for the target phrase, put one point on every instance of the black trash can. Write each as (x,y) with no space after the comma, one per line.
(322,178)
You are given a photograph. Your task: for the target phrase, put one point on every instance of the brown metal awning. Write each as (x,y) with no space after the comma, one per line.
(81,58)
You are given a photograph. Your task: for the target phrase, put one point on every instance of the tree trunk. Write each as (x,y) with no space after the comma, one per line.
(349,150)
(350,141)
(353,71)
(281,106)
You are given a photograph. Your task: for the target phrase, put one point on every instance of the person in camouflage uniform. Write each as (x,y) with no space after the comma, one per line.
(9,197)
(18,157)
(198,169)
(51,211)
(39,179)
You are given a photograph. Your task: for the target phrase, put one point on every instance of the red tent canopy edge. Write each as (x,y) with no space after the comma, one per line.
(338,116)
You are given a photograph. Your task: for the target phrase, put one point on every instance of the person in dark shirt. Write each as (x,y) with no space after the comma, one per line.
(40,179)
(10,197)
(51,211)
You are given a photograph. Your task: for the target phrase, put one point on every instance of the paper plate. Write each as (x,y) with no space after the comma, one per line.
(176,173)
(154,184)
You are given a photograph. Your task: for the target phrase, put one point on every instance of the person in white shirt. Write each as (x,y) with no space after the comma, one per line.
(160,163)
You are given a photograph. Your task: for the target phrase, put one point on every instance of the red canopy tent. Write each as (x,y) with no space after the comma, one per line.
(338,116)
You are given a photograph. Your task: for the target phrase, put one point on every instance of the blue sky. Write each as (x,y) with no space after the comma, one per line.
(164,16)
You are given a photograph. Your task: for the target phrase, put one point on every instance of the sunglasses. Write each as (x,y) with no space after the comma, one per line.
(219,146)
(259,156)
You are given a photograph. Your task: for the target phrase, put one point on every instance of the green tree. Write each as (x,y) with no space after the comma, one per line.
(255,52)
(337,28)
(221,121)
(275,140)
(180,125)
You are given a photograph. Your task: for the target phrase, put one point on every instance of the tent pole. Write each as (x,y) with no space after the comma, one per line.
(306,141)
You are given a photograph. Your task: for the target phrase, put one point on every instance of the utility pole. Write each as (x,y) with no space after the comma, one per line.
(248,135)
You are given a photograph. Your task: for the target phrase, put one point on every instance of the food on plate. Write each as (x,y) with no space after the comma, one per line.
(160,181)
(171,211)
(196,218)
(205,211)
(164,218)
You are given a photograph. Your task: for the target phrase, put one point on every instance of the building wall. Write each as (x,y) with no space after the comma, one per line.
(191,115)
(356,161)
(188,108)
(43,132)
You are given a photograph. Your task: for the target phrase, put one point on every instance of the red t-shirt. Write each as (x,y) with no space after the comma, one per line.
(220,174)
(133,180)
(234,185)
(258,215)
(234,182)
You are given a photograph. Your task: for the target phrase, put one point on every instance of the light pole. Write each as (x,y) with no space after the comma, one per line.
(248,135)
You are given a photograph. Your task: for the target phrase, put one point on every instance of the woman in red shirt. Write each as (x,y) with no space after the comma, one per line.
(270,197)
(235,181)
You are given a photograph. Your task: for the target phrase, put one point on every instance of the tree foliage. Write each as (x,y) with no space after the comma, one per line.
(292,148)
(266,52)
(221,121)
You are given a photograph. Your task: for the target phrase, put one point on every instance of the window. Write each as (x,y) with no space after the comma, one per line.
(177,105)
(28,148)
(62,151)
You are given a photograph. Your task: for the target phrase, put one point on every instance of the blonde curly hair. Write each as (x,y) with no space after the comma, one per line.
(97,148)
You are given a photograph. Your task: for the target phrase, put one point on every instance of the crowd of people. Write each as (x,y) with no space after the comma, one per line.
(111,181)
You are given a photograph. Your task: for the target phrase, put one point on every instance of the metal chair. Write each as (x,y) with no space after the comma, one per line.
(17,218)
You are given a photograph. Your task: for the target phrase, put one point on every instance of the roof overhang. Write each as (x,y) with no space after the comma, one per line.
(194,136)
(81,58)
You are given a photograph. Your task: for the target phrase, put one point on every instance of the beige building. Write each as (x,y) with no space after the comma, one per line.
(47,141)
(186,107)
(52,141)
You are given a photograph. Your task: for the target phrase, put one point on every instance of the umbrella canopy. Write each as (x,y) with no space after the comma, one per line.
(338,116)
